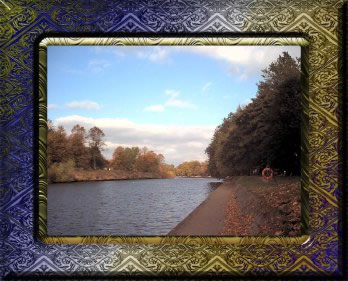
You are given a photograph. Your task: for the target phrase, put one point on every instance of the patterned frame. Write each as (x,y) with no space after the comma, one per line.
(22,22)
(153,41)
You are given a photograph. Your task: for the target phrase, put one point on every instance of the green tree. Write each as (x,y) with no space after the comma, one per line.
(266,132)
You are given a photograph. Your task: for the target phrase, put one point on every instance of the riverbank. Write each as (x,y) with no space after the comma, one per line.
(209,217)
(247,206)
(105,175)
(194,177)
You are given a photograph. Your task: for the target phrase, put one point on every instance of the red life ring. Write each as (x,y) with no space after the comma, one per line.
(267,173)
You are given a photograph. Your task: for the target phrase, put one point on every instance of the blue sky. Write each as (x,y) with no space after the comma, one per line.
(167,98)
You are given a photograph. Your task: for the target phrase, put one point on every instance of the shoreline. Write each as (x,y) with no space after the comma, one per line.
(104,175)
(122,178)
(94,180)
(208,218)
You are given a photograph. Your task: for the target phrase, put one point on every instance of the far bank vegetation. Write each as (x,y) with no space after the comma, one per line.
(78,157)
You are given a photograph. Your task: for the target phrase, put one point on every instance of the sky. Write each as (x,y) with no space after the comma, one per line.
(167,98)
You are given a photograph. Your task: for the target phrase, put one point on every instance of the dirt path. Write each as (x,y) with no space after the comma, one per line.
(209,217)
(246,206)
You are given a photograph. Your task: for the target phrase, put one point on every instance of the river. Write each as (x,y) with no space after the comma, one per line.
(128,207)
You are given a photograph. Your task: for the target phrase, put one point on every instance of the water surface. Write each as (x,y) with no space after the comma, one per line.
(129,207)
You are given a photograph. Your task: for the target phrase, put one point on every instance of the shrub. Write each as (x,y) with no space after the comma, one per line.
(61,172)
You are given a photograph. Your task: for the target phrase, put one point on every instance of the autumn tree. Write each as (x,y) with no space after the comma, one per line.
(148,161)
(57,145)
(192,169)
(59,157)
(77,147)
(167,170)
(124,158)
(116,157)
(96,143)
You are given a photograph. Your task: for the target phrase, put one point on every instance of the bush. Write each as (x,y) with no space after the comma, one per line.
(61,172)
(168,175)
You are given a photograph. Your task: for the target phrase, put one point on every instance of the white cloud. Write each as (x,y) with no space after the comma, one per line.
(159,55)
(70,70)
(194,144)
(243,60)
(172,94)
(243,77)
(97,65)
(176,143)
(52,106)
(85,104)
(206,86)
(246,59)
(172,101)
(154,54)
(245,55)
(155,108)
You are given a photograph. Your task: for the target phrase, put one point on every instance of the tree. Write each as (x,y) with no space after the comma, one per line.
(266,132)
(116,157)
(129,158)
(96,143)
(167,171)
(124,158)
(79,151)
(57,145)
(148,162)
(191,169)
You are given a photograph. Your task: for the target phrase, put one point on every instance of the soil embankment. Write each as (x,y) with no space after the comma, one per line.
(247,206)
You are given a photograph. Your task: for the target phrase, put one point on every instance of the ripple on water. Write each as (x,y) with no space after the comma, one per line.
(136,207)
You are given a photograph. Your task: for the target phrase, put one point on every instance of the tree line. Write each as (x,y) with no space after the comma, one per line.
(266,132)
(192,169)
(79,150)
(82,150)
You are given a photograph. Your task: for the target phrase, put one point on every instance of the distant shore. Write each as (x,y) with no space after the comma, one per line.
(110,175)
(204,177)
(106,175)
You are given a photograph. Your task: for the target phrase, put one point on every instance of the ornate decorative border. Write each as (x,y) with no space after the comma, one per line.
(21,23)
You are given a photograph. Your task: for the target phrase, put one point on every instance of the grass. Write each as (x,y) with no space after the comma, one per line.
(258,181)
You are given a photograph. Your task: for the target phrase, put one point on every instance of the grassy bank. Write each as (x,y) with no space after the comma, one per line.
(74,175)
